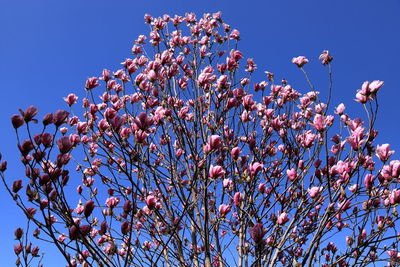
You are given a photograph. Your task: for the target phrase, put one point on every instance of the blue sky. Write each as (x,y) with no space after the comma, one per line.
(49,48)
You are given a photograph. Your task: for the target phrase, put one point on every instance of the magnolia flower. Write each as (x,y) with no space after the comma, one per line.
(300,61)
(216,172)
(151,201)
(383,152)
(257,233)
(91,83)
(17,121)
(255,168)
(214,142)
(292,174)
(340,109)
(111,202)
(224,209)
(314,191)
(237,198)
(368,181)
(374,86)
(325,57)
(283,218)
(394,197)
(235,152)
(226,183)
(70,99)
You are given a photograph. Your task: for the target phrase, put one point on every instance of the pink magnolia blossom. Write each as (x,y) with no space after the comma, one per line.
(261,187)
(91,83)
(353,188)
(320,122)
(214,142)
(368,181)
(283,218)
(255,168)
(29,113)
(234,34)
(314,191)
(70,99)
(226,183)
(224,209)
(300,61)
(383,152)
(257,233)
(326,57)
(292,174)
(340,109)
(235,152)
(394,196)
(112,202)
(237,198)
(374,86)
(344,205)
(216,172)
(17,121)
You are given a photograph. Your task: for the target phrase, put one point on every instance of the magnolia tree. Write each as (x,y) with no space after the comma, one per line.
(183,160)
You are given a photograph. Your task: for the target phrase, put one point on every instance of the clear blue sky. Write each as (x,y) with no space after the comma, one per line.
(49,48)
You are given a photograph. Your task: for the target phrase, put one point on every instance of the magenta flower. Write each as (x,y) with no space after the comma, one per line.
(151,201)
(142,121)
(46,139)
(340,109)
(237,198)
(112,202)
(226,183)
(18,249)
(257,233)
(91,83)
(394,196)
(300,61)
(292,174)
(344,205)
(48,119)
(70,99)
(261,188)
(140,136)
(60,117)
(64,144)
(16,186)
(235,152)
(325,57)
(374,86)
(248,102)
(283,218)
(255,168)
(214,142)
(30,212)
(383,152)
(235,34)
(125,227)
(29,113)
(320,122)
(88,208)
(17,121)
(369,181)
(216,172)
(361,98)
(314,191)
(224,209)
(18,233)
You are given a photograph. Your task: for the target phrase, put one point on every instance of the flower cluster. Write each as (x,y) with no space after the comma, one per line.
(185,160)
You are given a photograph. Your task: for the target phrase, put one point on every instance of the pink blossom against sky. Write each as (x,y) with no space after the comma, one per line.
(49,48)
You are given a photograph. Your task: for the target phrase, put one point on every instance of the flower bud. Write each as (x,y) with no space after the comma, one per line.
(18,233)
